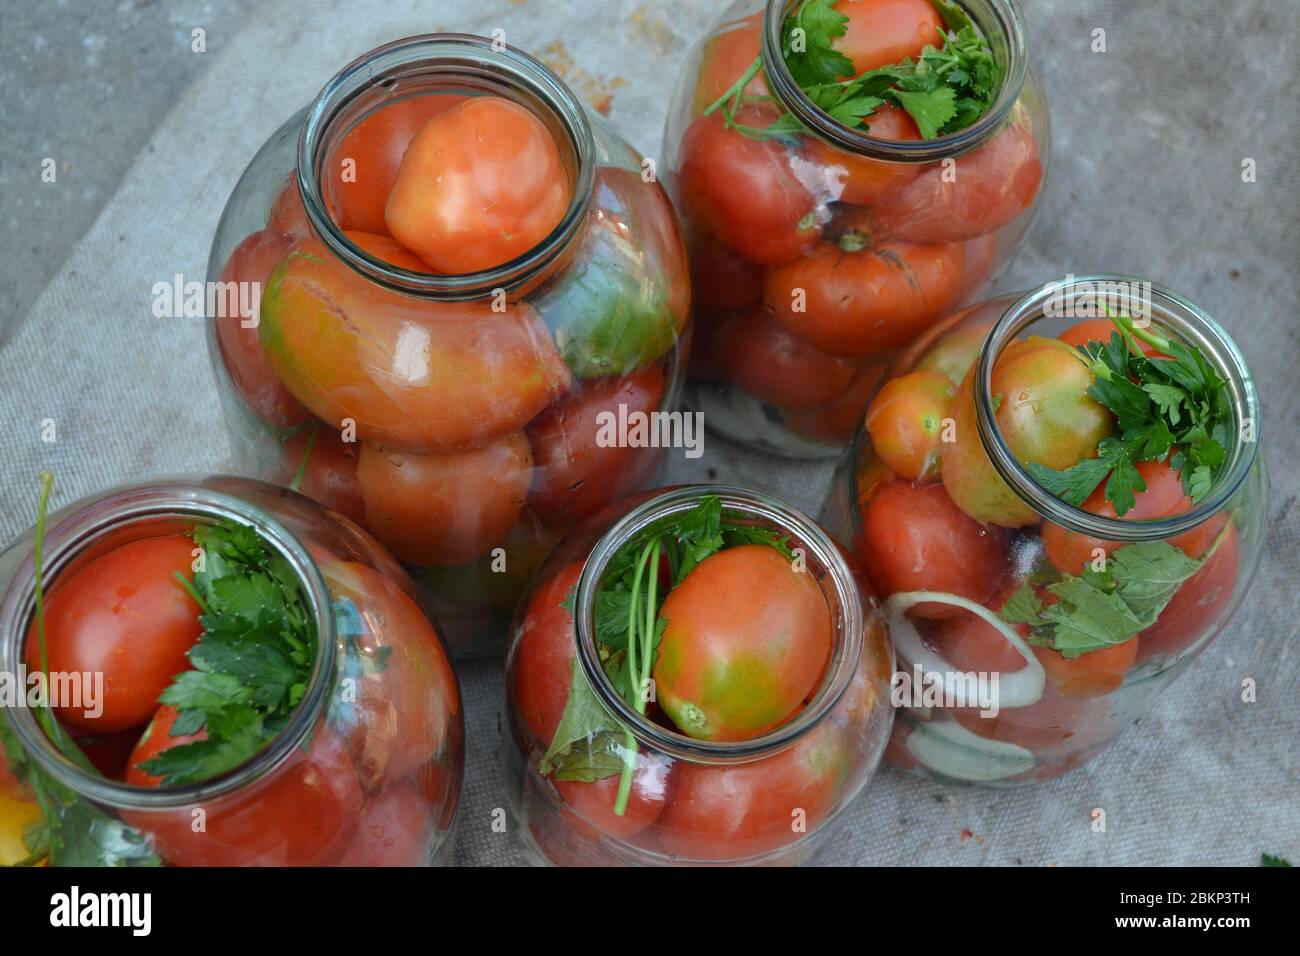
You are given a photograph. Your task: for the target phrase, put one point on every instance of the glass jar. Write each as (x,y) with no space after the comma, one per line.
(765,800)
(818,253)
(1069,620)
(457,417)
(366,769)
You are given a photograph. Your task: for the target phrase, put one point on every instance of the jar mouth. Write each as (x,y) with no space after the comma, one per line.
(821,555)
(426,64)
(1187,323)
(184,502)
(1000,22)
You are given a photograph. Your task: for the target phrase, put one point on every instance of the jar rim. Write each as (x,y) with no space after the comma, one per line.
(1189,322)
(182,498)
(1010,36)
(849,623)
(462,56)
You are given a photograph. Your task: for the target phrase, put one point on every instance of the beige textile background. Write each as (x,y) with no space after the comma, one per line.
(1148,142)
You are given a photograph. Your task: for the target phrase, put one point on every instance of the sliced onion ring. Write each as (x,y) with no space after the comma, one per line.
(1016,689)
(948,748)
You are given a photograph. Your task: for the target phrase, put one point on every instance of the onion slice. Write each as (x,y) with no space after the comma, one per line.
(1016,689)
(948,748)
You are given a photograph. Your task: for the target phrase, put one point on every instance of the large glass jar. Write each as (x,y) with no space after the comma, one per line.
(1041,629)
(816,254)
(365,769)
(458,417)
(768,799)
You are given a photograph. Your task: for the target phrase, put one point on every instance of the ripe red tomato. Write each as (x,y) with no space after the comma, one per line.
(972,644)
(905,422)
(447,509)
(726,56)
(330,472)
(1198,605)
(744,192)
(986,189)
(123,615)
(1053,724)
(838,419)
(541,665)
(388,249)
(372,151)
(241,351)
(482,183)
(288,216)
(747,637)
(775,366)
(574,475)
(722,280)
(915,539)
(863,180)
(394,830)
(876,298)
(1093,674)
(157,737)
(884,32)
(589,807)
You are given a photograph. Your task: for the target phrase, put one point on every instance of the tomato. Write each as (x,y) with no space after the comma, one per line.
(1044,414)
(241,351)
(743,190)
(884,32)
(126,616)
(1089,675)
(727,55)
(1197,606)
(108,753)
(777,367)
(589,807)
(156,739)
(864,180)
(303,813)
(905,422)
(955,353)
(394,830)
(482,183)
(329,472)
(484,590)
(747,637)
(737,811)
(288,215)
(411,374)
(405,710)
(874,298)
(541,666)
(387,249)
(446,509)
(838,419)
(972,644)
(581,464)
(722,280)
(915,539)
(1053,724)
(373,151)
(989,186)
(1164,497)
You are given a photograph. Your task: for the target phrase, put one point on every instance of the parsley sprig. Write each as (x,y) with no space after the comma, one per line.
(251,664)
(945,89)
(1175,406)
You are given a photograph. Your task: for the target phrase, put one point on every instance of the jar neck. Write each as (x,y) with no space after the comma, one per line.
(822,560)
(1079,297)
(998,20)
(89,530)
(445,63)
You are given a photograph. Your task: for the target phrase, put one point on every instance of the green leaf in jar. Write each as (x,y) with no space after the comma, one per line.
(584,745)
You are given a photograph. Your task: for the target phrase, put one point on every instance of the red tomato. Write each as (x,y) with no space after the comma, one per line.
(884,32)
(722,280)
(330,472)
(905,422)
(123,615)
(1089,675)
(876,298)
(388,249)
(157,737)
(589,807)
(394,830)
(1197,606)
(727,55)
(448,509)
(972,644)
(241,351)
(482,183)
(989,186)
(838,419)
(575,475)
(108,753)
(747,637)
(863,180)
(776,367)
(372,151)
(541,666)
(743,190)
(288,215)
(1052,724)
(915,539)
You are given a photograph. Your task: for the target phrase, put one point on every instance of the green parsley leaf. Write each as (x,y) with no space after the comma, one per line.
(1266,859)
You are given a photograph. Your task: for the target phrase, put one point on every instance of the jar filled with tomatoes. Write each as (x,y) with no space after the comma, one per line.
(848,171)
(693,679)
(1058,498)
(467,281)
(219,672)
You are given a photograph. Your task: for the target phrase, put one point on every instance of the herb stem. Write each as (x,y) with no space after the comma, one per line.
(295,484)
(633,624)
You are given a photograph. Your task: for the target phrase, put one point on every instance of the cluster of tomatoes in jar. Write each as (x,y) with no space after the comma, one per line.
(1079,632)
(812,262)
(735,649)
(464,433)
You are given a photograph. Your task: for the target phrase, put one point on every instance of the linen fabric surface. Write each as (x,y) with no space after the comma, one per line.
(1148,144)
